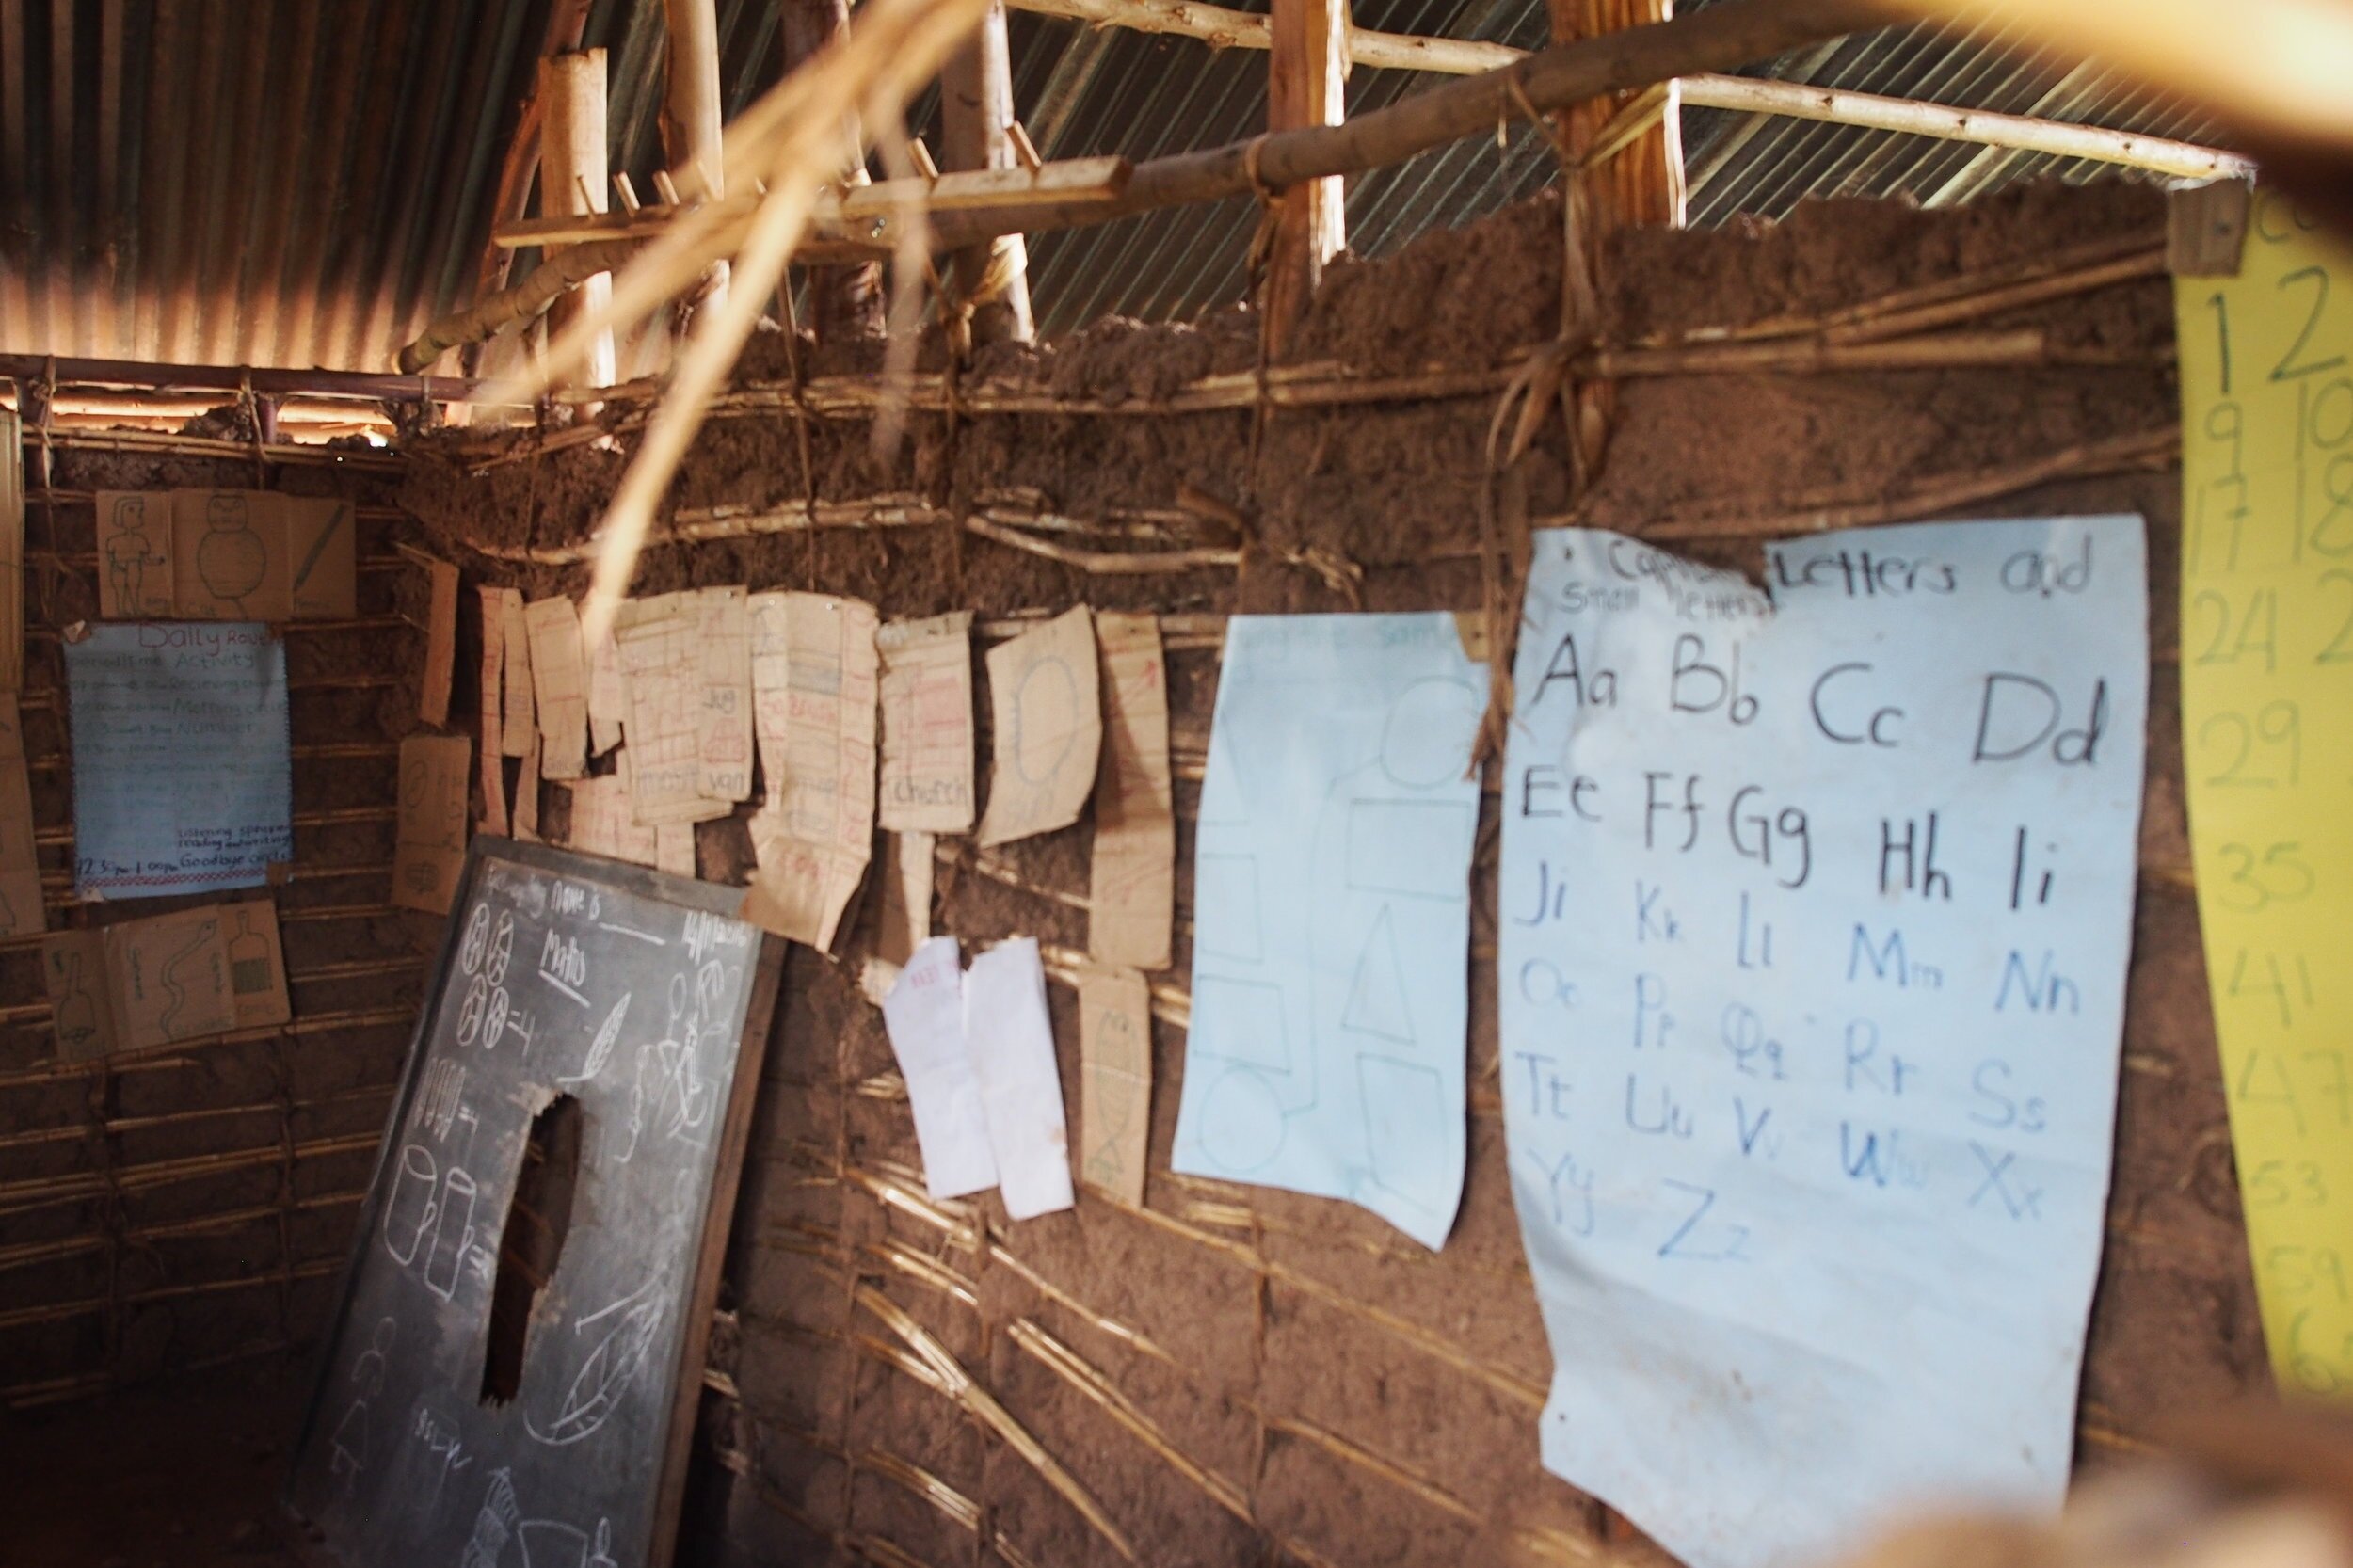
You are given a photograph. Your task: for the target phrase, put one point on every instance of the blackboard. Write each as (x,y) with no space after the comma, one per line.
(583,1015)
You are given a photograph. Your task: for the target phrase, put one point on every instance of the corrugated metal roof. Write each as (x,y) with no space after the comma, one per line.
(305,182)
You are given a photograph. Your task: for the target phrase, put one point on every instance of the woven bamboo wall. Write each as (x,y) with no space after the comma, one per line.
(173,1208)
(1234,1374)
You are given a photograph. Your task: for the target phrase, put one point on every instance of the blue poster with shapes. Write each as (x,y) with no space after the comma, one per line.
(1331,915)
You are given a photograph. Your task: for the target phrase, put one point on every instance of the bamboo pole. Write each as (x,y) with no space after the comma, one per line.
(1307,86)
(846,302)
(691,112)
(976,118)
(572,179)
(1720,37)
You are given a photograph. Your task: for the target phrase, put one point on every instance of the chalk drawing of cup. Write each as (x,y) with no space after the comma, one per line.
(231,559)
(409,1212)
(453,1237)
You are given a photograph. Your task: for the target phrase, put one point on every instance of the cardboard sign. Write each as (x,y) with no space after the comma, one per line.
(493,700)
(226,555)
(21,911)
(134,581)
(664,677)
(608,701)
(80,999)
(257,963)
(169,974)
(559,681)
(906,895)
(1044,692)
(1115,1082)
(604,819)
(516,722)
(814,683)
(1131,904)
(429,849)
(323,553)
(927,745)
(229,556)
(440,641)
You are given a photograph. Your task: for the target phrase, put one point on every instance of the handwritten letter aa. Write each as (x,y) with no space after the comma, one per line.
(2266,678)
(1331,915)
(1815,910)
(183,770)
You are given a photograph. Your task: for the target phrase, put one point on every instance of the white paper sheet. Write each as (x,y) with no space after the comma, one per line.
(1010,1039)
(1814,923)
(925,1014)
(1331,915)
(183,767)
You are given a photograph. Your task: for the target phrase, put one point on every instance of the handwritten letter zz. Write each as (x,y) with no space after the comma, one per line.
(1815,916)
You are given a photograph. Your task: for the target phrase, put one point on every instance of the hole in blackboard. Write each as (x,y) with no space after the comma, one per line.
(533,1241)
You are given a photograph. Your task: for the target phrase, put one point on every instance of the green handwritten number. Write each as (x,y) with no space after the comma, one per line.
(2222,334)
(2287,369)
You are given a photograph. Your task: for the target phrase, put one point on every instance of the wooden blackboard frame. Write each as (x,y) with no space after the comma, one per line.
(727,1166)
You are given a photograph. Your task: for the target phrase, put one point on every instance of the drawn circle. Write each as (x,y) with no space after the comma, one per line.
(494,1019)
(477,940)
(470,1011)
(502,949)
(1241,1122)
(1426,741)
(1047,696)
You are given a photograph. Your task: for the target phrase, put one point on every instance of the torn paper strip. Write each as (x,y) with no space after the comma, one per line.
(1011,1038)
(813,679)
(927,724)
(1115,1083)
(1130,904)
(559,685)
(925,1014)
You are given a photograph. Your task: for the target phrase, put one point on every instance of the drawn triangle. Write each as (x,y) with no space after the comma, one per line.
(1376,997)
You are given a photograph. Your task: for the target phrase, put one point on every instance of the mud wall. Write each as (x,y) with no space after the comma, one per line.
(1238,1375)
(172,1208)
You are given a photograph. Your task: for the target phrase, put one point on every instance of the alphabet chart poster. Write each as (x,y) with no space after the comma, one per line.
(1331,915)
(2267,676)
(1815,908)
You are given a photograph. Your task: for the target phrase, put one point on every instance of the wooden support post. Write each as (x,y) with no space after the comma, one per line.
(573,178)
(1612,183)
(1307,82)
(845,302)
(976,114)
(691,112)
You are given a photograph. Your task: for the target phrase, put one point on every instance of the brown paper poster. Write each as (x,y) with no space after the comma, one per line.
(605,823)
(81,1000)
(517,721)
(257,962)
(608,703)
(1132,903)
(927,724)
(429,848)
(1115,1082)
(323,556)
(674,848)
(440,641)
(559,683)
(12,553)
(493,708)
(662,677)
(134,555)
(906,895)
(21,909)
(229,556)
(170,977)
(726,638)
(814,677)
(1043,699)
(527,794)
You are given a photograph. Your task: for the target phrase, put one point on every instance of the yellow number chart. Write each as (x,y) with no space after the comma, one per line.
(2266,367)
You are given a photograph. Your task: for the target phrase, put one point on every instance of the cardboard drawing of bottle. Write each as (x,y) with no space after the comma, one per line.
(232,558)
